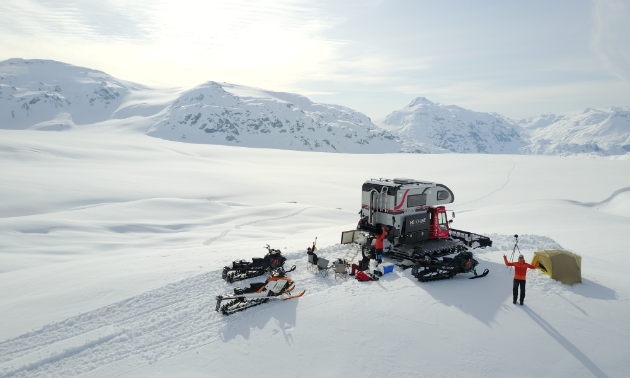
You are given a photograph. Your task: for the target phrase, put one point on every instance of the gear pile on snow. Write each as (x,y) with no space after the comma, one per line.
(242,269)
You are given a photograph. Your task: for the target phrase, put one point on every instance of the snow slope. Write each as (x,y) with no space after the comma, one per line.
(454,128)
(49,95)
(593,131)
(112,242)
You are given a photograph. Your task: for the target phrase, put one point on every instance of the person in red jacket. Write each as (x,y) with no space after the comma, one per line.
(520,271)
(378,245)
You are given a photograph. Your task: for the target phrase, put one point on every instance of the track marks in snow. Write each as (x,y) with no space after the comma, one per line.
(495,191)
(238,227)
(153,326)
(607,200)
(272,219)
(209,241)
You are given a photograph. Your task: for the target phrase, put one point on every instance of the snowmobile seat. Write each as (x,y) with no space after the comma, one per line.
(253,287)
(256,261)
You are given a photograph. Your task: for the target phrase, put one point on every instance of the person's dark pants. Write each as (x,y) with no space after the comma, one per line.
(379,255)
(518,283)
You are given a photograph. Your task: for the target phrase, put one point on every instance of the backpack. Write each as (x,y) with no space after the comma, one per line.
(361,276)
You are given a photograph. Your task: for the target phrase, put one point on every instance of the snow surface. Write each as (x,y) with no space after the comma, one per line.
(112,243)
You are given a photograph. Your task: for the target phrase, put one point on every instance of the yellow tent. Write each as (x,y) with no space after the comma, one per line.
(563,266)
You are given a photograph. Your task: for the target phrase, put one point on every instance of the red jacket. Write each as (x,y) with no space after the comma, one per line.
(379,240)
(520,268)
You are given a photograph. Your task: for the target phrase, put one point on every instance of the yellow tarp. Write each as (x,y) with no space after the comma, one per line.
(563,266)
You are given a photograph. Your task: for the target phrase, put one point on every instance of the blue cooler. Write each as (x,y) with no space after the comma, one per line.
(386,268)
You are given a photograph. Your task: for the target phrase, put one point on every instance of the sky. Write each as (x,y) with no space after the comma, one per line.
(518,59)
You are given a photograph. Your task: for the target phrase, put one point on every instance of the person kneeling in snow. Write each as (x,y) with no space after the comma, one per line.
(364,264)
(520,272)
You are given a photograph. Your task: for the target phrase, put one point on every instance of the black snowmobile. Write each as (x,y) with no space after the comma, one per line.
(277,286)
(432,268)
(242,269)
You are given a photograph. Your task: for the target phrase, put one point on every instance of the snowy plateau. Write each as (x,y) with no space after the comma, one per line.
(114,230)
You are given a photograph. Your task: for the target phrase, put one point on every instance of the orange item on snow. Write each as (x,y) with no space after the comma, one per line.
(520,268)
(379,240)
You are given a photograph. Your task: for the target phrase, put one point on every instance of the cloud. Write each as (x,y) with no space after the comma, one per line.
(78,20)
(611,35)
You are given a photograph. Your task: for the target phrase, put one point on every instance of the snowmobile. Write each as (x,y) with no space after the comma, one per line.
(242,269)
(435,268)
(416,223)
(277,286)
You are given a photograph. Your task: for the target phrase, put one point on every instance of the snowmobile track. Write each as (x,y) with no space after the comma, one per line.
(154,325)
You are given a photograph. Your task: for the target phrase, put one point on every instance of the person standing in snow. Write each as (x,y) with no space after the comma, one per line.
(520,272)
(378,245)
(377,251)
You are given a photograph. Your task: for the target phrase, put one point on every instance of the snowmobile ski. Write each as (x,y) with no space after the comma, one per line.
(485,273)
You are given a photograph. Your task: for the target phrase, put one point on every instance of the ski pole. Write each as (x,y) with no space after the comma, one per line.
(514,250)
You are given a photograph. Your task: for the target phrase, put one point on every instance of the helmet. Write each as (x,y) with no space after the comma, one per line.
(520,257)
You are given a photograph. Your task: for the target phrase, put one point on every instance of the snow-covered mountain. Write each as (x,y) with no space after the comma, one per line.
(454,128)
(49,95)
(593,131)
(237,115)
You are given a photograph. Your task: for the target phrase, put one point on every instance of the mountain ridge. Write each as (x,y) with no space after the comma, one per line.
(47,95)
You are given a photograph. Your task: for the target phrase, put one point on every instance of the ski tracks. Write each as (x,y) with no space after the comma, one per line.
(507,180)
(238,227)
(153,326)
(604,202)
